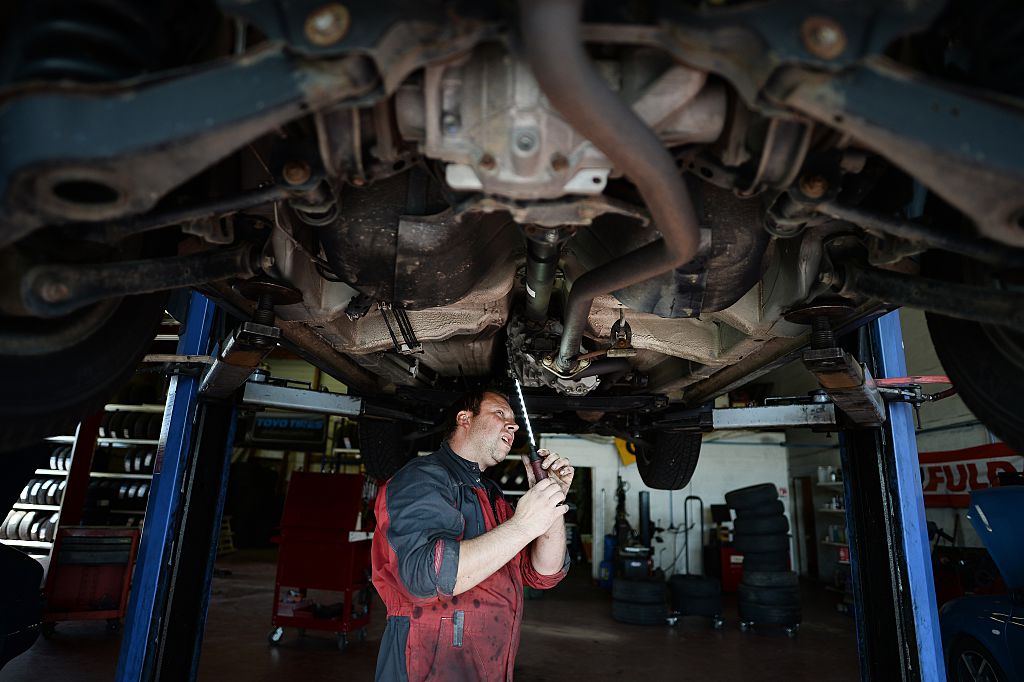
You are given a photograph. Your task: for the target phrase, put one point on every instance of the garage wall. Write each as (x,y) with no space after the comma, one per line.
(945,425)
(728,461)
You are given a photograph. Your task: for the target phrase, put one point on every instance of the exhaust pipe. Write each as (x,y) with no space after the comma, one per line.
(554,49)
(541,266)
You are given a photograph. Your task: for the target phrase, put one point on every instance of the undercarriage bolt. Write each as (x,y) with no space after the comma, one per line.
(813,186)
(487,162)
(526,141)
(264,313)
(450,123)
(823,37)
(296,172)
(54,292)
(327,25)
(821,334)
(559,163)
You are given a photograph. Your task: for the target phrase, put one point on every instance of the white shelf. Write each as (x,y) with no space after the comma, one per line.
(831,484)
(37,507)
(127,512)
(61,439)
(152,409)
(346,450)
(32,544)
(51,472)
(111,474)
(125,441)
(828,510)
(829,543)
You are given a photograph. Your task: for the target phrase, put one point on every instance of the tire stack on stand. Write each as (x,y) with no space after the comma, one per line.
(639,602)
(769,592)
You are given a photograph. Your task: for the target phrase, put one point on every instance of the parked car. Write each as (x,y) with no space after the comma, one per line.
(983,635)
(636,207)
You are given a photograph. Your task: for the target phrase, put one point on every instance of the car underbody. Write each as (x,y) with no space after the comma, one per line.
(628,207)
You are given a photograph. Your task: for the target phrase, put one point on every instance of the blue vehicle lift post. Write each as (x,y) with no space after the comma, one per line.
(171,586)
(894,592)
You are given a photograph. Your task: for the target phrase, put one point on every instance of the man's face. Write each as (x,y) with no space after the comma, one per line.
(491,430)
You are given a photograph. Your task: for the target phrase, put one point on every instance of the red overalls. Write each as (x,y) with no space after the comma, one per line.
(422,514)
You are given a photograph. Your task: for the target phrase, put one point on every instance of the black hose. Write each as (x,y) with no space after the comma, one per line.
(986,305)
(554,48)
(541,266)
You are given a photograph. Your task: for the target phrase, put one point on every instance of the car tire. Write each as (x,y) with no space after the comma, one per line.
(760,525)
(766,561)
(57,389)
(968,654)
(639,614)
(985,362)
(771,578)
(761,543)
(770,615)
(383,448)
(768,509)
(669,463)
(769,596)
(639,591)
(752,496)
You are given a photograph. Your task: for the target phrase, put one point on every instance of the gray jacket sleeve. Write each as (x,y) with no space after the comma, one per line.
(425,525)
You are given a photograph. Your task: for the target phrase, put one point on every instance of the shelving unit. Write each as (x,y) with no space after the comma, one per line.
(829,503)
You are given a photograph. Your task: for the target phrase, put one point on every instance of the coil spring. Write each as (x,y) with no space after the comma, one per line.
(86,41)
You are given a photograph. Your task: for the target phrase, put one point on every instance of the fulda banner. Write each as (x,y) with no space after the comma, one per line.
(949,477)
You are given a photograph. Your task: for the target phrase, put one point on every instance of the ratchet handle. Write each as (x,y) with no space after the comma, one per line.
(539,473)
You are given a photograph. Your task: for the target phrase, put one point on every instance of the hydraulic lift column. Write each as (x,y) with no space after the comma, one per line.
(897,620)
(171,587)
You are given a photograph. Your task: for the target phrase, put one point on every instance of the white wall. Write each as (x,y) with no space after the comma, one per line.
(727,461)
(945,425)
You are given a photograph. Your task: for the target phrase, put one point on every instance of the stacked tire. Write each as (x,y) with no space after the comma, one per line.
(697,595)
(769,592)
(639,602)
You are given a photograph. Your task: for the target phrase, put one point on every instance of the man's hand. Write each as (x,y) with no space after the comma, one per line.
(539,508)
(557,467)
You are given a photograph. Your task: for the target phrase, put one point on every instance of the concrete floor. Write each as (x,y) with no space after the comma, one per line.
(568,634)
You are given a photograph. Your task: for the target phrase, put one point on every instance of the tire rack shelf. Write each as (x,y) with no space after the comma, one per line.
(36,507)
(829,510)
(829,543)
(29,544)
(50,472)
(151,409)
(106,441)
(834,485)
(114,474)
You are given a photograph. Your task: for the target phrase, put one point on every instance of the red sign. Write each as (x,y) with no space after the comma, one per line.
(949,477)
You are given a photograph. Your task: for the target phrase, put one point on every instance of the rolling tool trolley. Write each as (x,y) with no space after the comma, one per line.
(323,552)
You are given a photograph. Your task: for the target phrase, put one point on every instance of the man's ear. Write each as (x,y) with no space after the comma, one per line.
(463,417)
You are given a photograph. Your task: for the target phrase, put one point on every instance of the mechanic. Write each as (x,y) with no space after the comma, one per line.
(451,556)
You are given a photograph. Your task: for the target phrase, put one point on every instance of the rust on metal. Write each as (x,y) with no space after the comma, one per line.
(328,24)
(823,37)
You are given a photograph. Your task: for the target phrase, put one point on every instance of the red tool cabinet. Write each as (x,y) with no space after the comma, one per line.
(90,575)
(323,555)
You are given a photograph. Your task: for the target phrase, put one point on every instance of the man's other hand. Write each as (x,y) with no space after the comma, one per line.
(540,507)
(557,467)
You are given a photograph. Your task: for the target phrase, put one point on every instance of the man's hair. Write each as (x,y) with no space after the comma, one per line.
(469,401)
